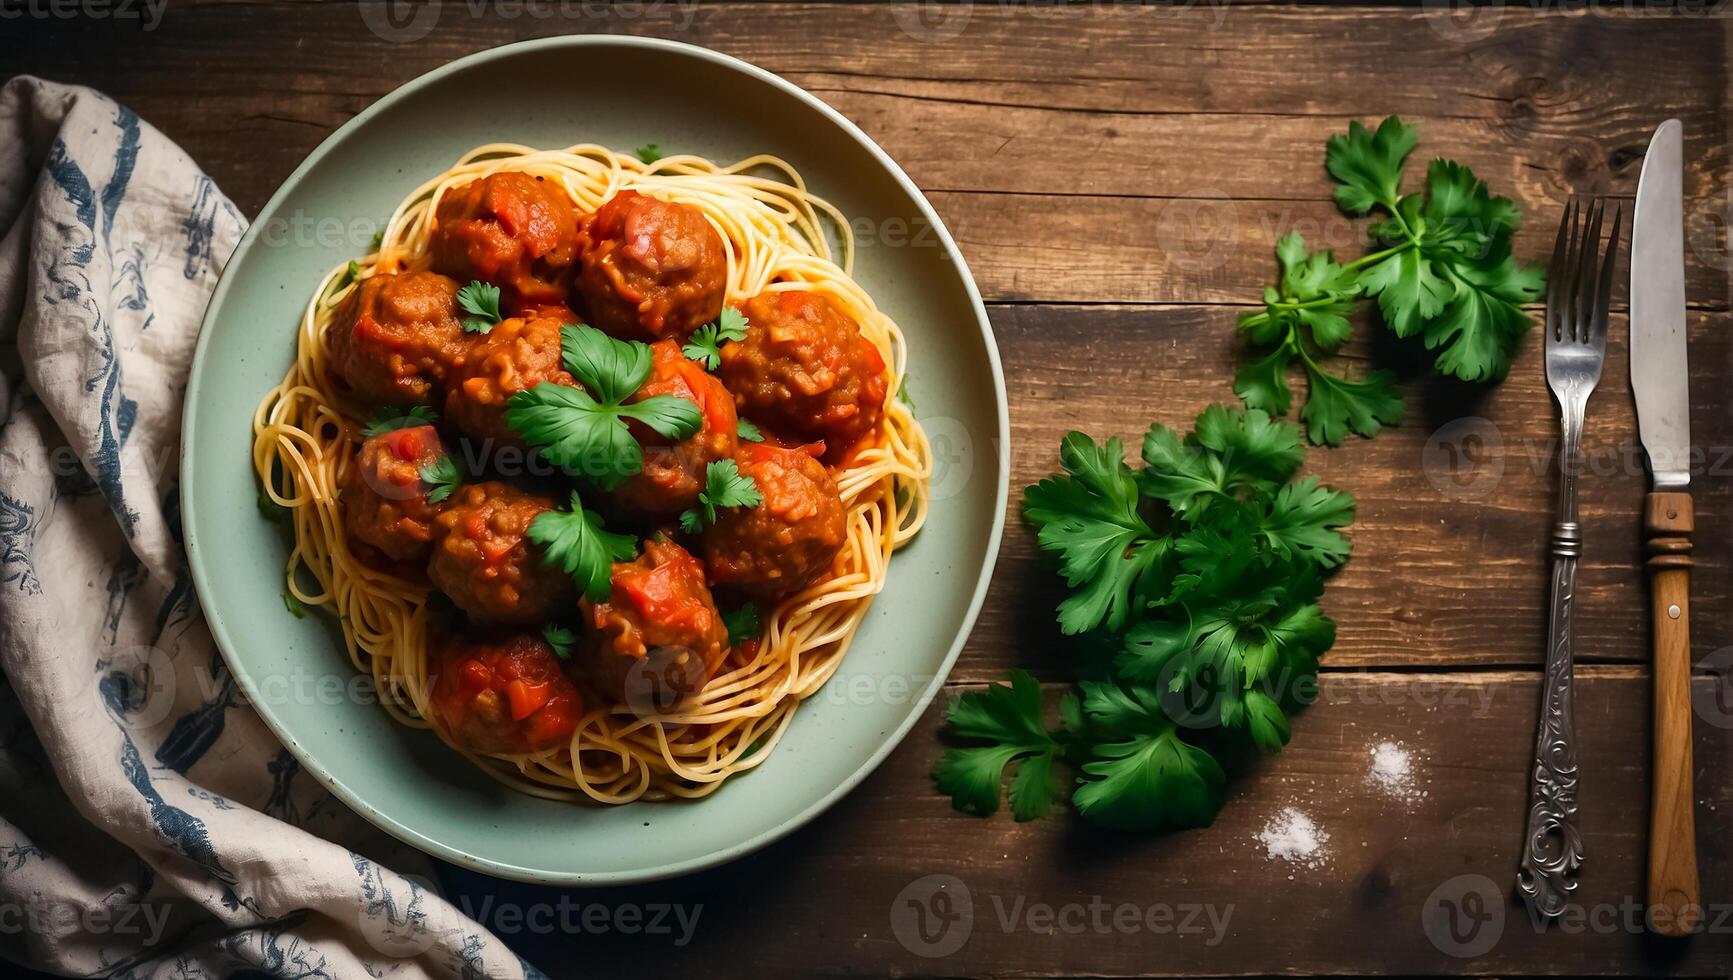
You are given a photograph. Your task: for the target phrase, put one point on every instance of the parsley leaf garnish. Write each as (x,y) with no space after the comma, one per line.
(1443,269)
(574,541)
(270,509)
(1302,522)
(351,273)
(1141,774)
(442,477)
(561,639)
(585,433)
(1195,579)
(724,486)
(378,240)
(1440,269)
(1305,316)
(649,153)
(293,603)
(705,344)
(388,419)
(747,431)
(481,301)
(1000,726)
(743,624)
(1088,516)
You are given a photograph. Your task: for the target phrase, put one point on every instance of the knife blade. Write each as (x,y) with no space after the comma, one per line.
(1658,367)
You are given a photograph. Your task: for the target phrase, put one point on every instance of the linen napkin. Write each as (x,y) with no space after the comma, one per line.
(150,825)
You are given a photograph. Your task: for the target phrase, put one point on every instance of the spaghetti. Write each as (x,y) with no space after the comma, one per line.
(777,237)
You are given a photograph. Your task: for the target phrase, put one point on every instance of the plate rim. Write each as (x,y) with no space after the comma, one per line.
(436,848)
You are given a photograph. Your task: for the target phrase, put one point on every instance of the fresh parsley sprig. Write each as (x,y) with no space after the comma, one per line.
(574,541)
(724,487)
(584,431)
(705,344)
(1440,269)
(649,153)
(1195,580)
(481,301)
(1003,726)
(1305,317)
(443,476)
(747,431)
(389,419)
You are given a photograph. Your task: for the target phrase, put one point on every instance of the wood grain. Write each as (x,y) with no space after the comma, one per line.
(1674,896)
(1123,154)
(1450,560)
(831,893)
(1117,177)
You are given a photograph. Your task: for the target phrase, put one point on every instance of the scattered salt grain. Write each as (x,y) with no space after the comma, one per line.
(1292,836)
(1392,772)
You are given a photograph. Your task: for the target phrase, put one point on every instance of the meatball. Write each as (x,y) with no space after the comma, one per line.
(396,336)
(658,638)
(502,693)
(650,269)
(384,500)
(790,538)
(805,370)
(514,356)
(513,230)
(673,472)
(486,564)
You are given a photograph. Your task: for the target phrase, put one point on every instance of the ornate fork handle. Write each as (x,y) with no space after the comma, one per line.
(1553,849)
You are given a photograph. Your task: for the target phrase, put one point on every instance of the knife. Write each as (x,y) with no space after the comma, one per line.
(1659,381)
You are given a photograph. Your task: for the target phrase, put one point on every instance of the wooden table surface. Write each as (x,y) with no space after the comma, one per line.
(1116,178)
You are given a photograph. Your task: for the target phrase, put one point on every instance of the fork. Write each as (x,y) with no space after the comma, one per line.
(1577,294)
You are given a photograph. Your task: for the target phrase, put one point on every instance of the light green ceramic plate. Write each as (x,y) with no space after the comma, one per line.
(294,671)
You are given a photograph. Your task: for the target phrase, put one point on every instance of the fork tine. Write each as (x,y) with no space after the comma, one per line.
(1587,274)
(1555,272)
(1573,257)
(1604,294)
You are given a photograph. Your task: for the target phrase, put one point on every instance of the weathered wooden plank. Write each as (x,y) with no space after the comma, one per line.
(1182,142)
(833,898)
(1221,250)
(1449,562)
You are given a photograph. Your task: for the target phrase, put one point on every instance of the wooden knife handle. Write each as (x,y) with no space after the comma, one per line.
(1675,904)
